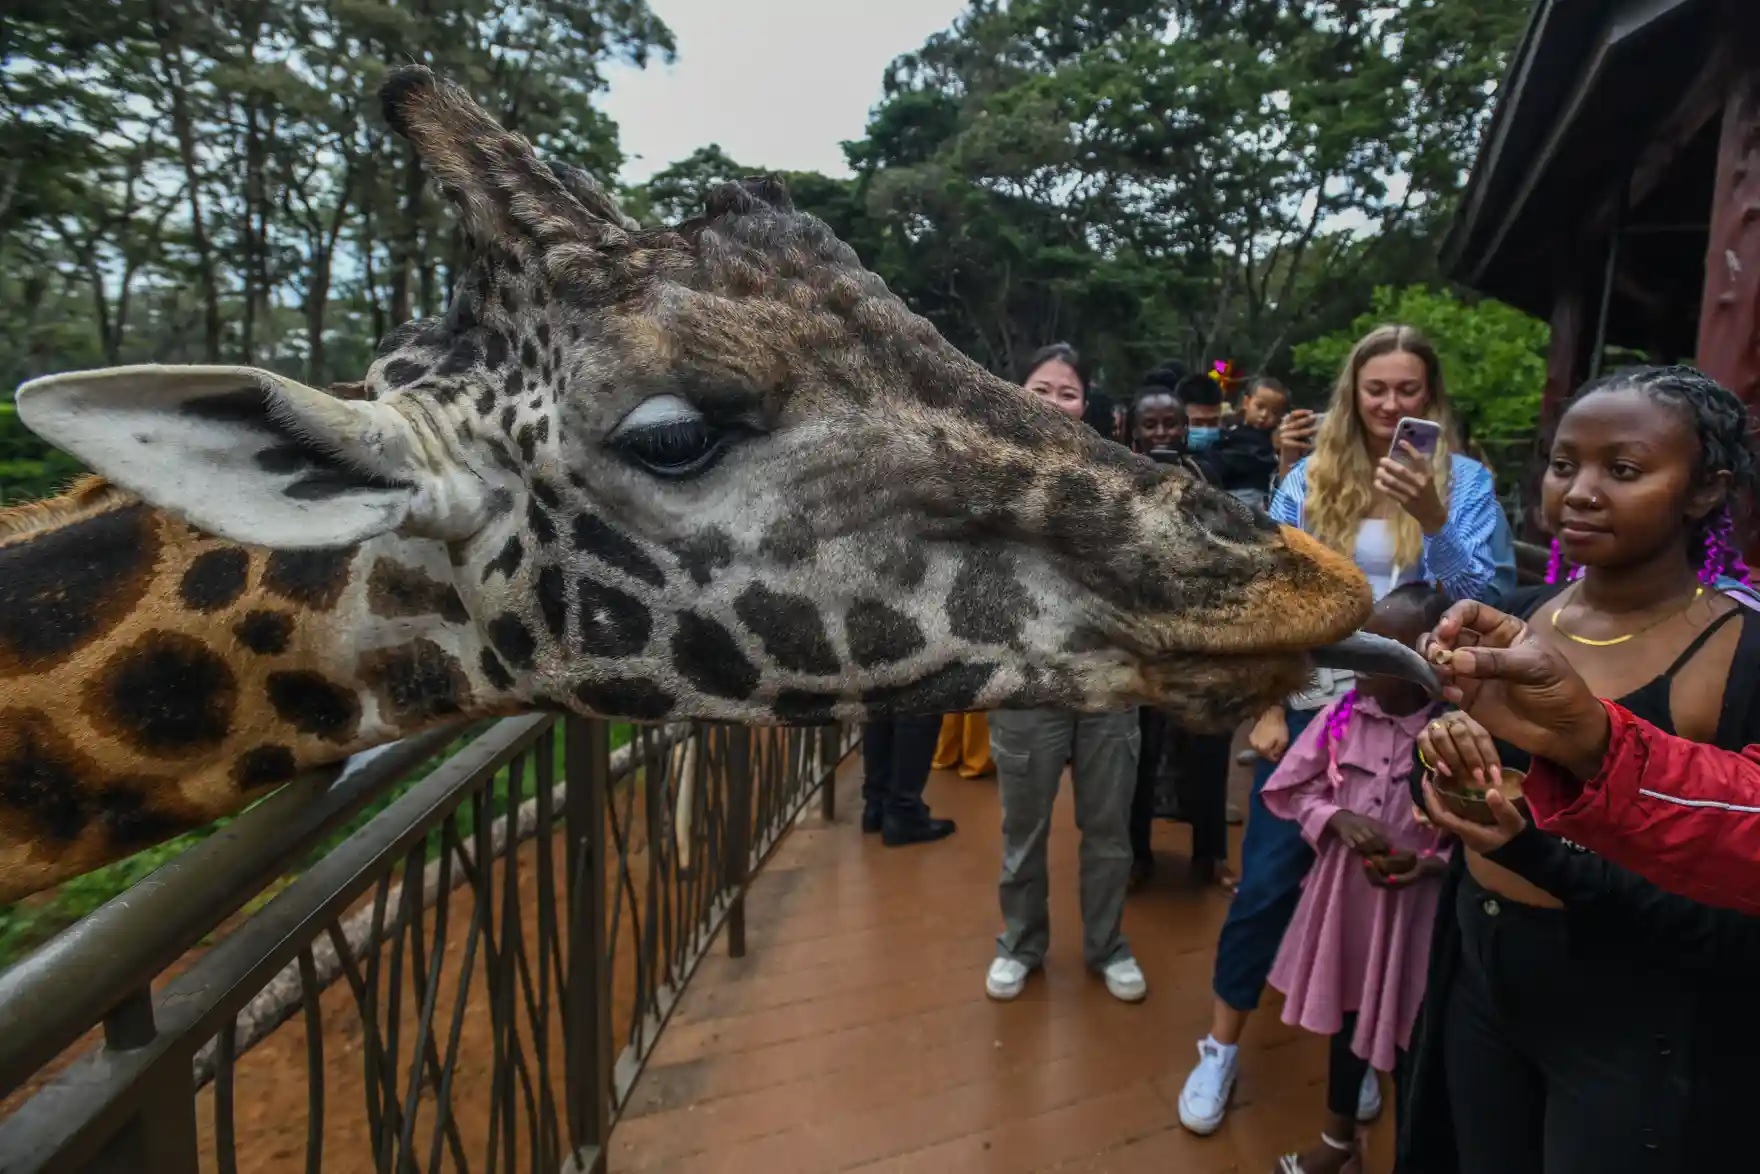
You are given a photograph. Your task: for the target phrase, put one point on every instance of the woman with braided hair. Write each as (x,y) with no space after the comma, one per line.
(1578,1016)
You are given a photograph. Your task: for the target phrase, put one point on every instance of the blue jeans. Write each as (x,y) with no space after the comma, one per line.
(1274,861)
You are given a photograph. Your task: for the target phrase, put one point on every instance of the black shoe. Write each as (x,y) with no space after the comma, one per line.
(916,831)
(872,820)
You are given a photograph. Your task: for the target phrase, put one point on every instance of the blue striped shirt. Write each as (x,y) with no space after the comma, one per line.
(1460,555)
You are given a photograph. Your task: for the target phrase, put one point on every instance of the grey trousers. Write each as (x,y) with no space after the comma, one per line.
(1030,747)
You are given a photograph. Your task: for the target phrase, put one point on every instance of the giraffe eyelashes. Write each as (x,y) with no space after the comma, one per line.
(670,438)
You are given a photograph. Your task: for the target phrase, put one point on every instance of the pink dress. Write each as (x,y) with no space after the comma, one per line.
(1352,946)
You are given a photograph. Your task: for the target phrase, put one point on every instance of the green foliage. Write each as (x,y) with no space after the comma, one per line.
(1493,356)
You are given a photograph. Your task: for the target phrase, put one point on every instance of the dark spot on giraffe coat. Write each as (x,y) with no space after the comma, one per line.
(313,704)
(495,349)
(788,540)
(1075,507)
(612,548)
(703,553)
(903,563)
(539,523)
(263,767)
(215,579)
(416,683)
(394,590)
(796,707)
(59,792)
(166,695)
(513,640)
(879,634)
(313,579)
(70,586)
(552,600)
(42,776)
(636,698)
(613,622)
(403,372)
(946,690)
(264,632)
(790,628)
(461,358)
(494,671)
(507,562)
(498,452)
(987,605)
(708,656)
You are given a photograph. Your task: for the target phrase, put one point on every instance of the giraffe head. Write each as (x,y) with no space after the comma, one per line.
(719,471)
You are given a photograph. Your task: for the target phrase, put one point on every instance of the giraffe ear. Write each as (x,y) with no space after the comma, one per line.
(247,455)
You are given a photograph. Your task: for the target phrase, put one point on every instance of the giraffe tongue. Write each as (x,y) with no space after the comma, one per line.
(1368,654)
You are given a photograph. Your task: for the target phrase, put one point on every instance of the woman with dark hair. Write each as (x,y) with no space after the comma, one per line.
(1578,1017)
(1030,748)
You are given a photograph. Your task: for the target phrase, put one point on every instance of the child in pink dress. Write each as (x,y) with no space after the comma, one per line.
(1353,961)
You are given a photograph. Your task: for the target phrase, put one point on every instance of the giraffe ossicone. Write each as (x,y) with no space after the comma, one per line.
(710,471)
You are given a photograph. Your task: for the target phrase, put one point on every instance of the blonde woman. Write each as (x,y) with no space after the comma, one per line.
(1403,519)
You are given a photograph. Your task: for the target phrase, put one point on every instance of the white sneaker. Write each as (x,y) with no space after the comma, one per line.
(1006,979)
(1203,1102)
(1124,978)
(1369,1098)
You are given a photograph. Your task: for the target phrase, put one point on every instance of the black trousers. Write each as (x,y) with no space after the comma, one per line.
(1345,1071)
(1201,763)
(896,756)
(1555,1058)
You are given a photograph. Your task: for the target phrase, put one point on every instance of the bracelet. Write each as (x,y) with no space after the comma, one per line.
(1425,759)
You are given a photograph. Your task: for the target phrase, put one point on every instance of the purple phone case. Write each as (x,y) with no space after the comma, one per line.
(1424,441)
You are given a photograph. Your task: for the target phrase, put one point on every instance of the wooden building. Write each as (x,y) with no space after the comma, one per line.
(1616,193)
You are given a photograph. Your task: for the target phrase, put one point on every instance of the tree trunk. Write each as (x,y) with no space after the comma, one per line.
(183,126)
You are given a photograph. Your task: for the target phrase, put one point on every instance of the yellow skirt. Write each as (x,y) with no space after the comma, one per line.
(964,745)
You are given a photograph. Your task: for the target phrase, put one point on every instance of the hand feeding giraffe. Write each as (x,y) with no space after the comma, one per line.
(716,471)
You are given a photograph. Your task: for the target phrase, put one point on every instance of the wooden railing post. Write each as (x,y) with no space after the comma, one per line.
(829,737)
(587,1014)
(739,834)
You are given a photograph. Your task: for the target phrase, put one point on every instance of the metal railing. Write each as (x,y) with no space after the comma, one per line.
(472,980)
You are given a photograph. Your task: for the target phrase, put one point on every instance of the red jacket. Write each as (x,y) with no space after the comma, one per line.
(1684,815)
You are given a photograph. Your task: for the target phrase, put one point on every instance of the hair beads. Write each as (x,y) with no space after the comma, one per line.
(1721,556)
(1337,722)
(1555,566)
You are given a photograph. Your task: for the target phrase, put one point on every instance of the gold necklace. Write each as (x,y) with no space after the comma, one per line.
(1629,635)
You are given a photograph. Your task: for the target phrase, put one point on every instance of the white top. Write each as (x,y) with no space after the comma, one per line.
(1374,557)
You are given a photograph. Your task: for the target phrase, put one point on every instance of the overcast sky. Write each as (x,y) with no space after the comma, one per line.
(778,83)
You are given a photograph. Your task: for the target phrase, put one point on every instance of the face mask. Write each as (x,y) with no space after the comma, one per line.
(1199,439)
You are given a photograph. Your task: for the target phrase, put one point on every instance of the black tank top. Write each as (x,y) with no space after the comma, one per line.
(1651,701)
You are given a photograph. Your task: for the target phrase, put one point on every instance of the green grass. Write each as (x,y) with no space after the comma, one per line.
(28,924)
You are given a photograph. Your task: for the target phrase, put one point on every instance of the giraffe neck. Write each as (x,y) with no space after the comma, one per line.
(153,678)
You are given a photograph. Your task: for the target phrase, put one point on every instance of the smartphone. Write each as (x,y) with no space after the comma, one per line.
(1421,434)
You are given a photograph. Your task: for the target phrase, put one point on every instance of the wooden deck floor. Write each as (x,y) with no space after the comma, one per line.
(855,1034)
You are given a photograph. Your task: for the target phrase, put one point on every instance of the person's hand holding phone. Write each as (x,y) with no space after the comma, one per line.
(1295,437)
(1409,477)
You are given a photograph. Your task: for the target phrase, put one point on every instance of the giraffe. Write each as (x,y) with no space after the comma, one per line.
(713,471)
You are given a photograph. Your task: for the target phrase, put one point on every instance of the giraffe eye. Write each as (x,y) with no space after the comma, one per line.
(669,438)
